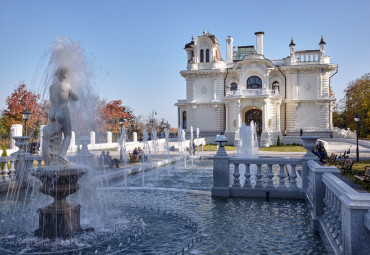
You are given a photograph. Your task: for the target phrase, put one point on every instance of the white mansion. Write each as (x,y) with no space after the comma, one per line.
(281,96)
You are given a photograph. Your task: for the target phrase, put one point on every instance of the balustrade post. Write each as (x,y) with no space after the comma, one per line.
(309,143)
(236,176)
(355,208)
(318,191)
(281,176)
(258,177)
(247,175)
(270,175)
(6,172)
(293,178)
(221,172)
(12,170)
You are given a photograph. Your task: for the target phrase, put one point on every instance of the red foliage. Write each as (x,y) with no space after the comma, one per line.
(112,112)
(20,100)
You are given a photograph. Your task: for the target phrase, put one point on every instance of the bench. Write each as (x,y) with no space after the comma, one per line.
(347,166)
(134,157)
(364,176)
(332,160)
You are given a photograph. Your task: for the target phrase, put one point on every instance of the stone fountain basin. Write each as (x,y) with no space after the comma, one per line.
(60,180)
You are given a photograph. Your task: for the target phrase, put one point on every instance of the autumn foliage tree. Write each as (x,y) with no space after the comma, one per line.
(20,100)
(355,101)
(112,112)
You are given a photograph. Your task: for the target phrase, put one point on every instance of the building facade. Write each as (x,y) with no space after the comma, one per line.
(281,96)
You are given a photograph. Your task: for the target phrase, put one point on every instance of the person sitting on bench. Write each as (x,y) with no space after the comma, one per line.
(320,152)
(111,161)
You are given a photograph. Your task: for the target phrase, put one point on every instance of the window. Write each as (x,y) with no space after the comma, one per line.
(207,55)
(201,56)
(233,87)
(276,86)
(254,82)
(184,120)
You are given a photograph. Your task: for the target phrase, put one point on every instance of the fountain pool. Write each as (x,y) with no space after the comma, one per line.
(171,212)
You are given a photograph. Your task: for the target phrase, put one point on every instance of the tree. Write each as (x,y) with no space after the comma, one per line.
(112,112)
(20,100)
(355,101)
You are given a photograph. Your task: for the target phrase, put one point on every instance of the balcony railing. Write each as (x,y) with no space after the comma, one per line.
(254,92)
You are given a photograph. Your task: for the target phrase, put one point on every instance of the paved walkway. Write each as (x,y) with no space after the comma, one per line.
(339,145)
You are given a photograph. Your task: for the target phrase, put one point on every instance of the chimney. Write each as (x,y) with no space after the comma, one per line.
(229,49)
(259,42)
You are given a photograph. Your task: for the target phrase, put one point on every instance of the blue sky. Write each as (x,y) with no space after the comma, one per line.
(137,46)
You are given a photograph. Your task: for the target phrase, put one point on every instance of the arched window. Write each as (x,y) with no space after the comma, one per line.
(254,82)
(233,87)
(276,86)
(207,55)
(201,56)
(184,120)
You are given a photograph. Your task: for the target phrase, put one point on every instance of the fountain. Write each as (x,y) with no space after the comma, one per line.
(59,178)
(248,144)
(169,213)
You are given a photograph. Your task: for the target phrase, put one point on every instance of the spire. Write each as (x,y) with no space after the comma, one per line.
(292,42)
(322,42)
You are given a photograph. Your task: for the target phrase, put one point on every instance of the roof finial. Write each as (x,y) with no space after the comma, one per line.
(192,38)
(292,42)
(322,40)
(204,31)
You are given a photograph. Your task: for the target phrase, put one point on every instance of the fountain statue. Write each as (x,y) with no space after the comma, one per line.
(59,177)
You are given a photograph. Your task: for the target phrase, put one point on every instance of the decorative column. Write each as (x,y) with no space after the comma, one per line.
(265,136)
(278,106)
(238,110)
(192,79)
(214,88)
(227,118)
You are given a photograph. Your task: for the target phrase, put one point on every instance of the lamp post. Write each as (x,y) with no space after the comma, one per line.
(26,115)
(121,121)
(154,112)
(357,119)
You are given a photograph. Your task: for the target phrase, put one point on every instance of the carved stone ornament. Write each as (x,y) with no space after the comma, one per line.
(204,90)
(307,87)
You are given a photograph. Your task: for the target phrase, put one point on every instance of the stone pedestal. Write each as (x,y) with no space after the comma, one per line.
(59,219)
(59,222)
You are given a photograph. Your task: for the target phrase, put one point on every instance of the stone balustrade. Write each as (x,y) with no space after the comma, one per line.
(312,56)
(339,213)
(254,92)
(7,170)
(274,175)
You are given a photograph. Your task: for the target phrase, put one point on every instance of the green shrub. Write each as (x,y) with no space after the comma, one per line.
(278,141)
(4,154)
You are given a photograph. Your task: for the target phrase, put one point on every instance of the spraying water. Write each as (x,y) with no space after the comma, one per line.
(248,143)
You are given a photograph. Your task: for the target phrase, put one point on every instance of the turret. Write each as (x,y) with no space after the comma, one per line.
(229,49)
(293,59)
(322,44)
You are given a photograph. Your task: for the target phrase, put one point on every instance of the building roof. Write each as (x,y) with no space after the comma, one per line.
(243,51)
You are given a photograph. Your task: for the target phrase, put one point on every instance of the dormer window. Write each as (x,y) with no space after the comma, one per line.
(201,56)
(254,82)
(233,87)
(207,55)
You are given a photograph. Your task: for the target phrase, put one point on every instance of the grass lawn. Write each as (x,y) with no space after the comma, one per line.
(212,147)
(360,166)
(284,148)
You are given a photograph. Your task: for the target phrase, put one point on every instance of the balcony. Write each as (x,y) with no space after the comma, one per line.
(253,93)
